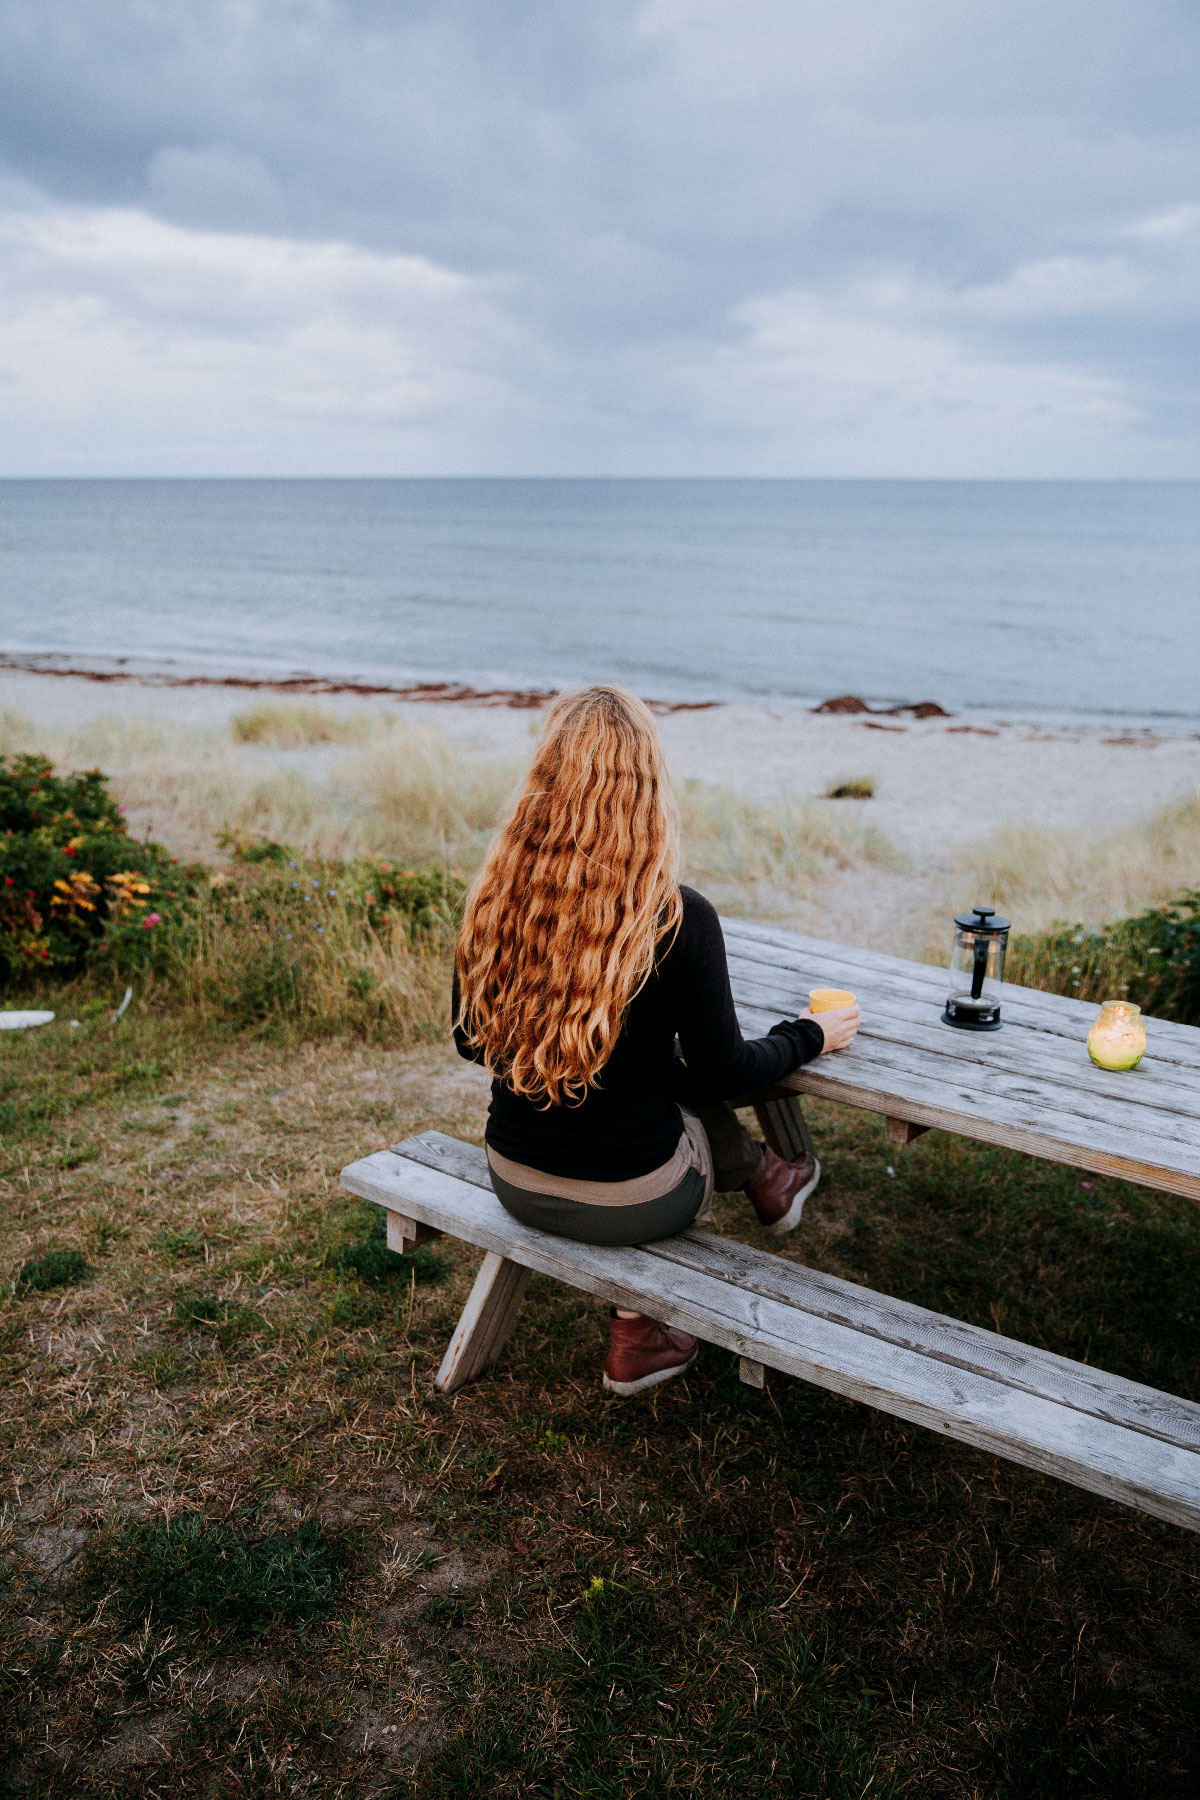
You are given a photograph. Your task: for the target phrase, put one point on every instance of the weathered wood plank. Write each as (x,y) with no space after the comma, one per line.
(751,1372)
(817,962)
(1055,1378)
(971,1347)
(902,1131)
(1029,1088)
(813,962)
(404,1234)
(1168,1087)
(1128,1465)
(1119,1110)
(993,1119)
(487,1318)
(1170,1092)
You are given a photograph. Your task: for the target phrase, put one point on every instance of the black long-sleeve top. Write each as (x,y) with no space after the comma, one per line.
(629,1123)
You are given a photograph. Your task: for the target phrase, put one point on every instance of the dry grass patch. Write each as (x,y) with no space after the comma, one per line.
(1039,876)
(297,725)
(419,796)
(355,1586)
(851,787)
(754,856)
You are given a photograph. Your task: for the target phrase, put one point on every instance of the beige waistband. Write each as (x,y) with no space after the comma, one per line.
(692,1152)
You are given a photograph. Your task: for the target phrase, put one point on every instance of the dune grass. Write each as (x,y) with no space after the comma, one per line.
(851,787)
(247,1550)
(751,854)
(390,789)
(417,796)
(297,725)
(1040,876)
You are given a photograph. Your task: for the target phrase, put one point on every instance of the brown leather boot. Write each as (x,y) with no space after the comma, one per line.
(644,1353)
(779,1192)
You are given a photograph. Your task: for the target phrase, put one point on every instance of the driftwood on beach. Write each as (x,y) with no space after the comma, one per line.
(319,685)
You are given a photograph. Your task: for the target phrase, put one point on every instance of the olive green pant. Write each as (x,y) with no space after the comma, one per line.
(737,1159)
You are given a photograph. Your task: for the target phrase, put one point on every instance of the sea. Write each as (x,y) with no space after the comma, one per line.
(1026,598)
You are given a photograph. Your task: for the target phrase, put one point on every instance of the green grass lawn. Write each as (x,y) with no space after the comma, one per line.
(246,1550)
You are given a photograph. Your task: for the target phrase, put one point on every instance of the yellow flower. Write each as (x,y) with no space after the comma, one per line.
(125,890)
(78,894)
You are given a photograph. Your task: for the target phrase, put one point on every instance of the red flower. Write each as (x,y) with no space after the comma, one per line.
(70,849)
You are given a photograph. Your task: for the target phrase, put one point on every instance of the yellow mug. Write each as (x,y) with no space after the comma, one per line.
(825,999)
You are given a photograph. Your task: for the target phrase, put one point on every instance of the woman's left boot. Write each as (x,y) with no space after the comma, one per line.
(642,1354)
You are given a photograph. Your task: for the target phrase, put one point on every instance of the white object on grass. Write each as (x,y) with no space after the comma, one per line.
(18,1021)
(123,1005)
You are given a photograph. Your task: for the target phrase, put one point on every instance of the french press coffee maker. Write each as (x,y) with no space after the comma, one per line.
(976,970)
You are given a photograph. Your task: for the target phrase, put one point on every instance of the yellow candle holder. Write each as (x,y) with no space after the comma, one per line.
(1117,1040)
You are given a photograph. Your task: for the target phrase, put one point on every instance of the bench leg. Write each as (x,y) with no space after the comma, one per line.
(487,1318)
(404,1234)
(783,1124)
(751,1372)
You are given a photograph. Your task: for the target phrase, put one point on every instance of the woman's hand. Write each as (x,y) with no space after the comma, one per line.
(840,1026)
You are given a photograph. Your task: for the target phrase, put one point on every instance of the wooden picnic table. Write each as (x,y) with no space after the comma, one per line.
(1030,1086)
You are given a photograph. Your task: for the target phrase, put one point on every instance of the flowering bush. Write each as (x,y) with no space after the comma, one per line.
(74,886)
(279,943)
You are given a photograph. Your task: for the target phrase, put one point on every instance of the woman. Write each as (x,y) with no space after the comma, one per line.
(580,962)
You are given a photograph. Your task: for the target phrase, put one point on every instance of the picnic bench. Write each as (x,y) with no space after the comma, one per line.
(1030,1087)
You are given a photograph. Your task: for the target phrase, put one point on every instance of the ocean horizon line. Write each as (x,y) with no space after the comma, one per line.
(966,481)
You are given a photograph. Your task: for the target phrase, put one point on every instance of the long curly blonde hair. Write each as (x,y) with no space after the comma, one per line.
(578,890)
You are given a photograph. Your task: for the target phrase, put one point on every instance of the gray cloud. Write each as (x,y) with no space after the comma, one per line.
(681,235)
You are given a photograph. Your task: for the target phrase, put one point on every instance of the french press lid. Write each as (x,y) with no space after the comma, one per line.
(981,919)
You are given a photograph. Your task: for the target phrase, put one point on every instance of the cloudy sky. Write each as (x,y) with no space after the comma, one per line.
(760,237)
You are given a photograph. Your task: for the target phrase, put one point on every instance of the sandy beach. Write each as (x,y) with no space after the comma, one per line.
(938,781)
(941,784)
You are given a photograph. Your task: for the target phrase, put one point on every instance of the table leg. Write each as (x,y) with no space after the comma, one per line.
(784,1126)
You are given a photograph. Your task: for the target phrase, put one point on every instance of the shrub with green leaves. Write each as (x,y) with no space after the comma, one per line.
(1153,960)
(75,888)
(313,946)
(427,901)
